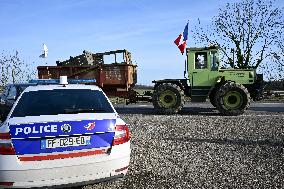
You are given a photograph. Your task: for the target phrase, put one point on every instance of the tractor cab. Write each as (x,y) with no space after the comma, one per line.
(203,67)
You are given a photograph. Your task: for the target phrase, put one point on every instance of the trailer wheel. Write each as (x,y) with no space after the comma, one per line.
(232,99)
(168,98)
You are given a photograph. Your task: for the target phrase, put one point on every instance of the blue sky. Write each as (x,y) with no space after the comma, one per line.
(146,28)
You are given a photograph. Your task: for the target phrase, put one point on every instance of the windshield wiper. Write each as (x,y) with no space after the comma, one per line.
(79,110)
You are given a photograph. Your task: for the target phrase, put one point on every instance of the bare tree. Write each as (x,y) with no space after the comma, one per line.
(250,29)
(13,69)
(278,58)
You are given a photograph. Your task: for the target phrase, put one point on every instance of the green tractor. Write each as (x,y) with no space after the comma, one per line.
(229,90)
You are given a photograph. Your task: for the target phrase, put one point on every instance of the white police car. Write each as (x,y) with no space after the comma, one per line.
(60,135)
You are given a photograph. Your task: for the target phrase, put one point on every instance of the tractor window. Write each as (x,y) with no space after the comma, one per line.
(200,60)
(214,63)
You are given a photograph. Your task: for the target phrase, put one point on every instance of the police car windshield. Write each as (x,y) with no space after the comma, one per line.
(59,101)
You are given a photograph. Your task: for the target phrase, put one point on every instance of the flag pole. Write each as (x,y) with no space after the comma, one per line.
(185,60)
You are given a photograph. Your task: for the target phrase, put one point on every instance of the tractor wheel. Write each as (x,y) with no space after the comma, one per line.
(232,99)
(168,98)
(212,96)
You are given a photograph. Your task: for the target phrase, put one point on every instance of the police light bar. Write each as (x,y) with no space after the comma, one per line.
(57,81)
(63,80)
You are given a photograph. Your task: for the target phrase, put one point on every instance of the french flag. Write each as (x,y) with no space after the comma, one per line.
(182,43)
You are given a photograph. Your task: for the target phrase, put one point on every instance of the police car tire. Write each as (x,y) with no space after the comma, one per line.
(173,88)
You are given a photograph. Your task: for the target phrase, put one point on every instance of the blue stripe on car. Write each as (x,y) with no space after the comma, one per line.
(34,135)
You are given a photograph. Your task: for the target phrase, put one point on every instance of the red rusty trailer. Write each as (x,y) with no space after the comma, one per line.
(116,79)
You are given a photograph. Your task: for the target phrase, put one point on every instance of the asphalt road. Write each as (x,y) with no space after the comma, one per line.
(199,148)
(202,109)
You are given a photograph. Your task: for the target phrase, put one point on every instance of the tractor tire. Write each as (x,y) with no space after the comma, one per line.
(232,99)
(212,96)
(168,98)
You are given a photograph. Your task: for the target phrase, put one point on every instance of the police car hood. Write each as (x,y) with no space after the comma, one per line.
(30,133)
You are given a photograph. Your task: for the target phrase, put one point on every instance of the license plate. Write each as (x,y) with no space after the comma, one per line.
(66,142)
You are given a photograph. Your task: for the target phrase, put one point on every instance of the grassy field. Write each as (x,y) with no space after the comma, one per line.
(274,99)
(117,100)
(142,91)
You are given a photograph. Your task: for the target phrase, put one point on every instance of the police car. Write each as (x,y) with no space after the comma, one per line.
(63,134)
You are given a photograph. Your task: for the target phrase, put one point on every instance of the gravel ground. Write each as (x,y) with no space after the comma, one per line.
(204,151)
